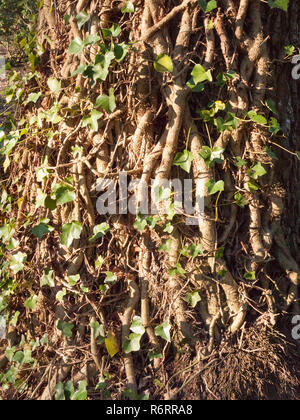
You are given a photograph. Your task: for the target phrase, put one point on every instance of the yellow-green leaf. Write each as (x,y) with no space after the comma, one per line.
(111,344)
(163,64)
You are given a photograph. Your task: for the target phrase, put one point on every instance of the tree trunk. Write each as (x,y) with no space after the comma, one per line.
(165,90)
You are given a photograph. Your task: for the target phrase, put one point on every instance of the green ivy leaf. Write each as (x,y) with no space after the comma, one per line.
(17,262)
(61,294)
(298,155)
(214,187)
(54,85)
(163,64)
(208,6)
(113,31)
(47,278)
(92,120)
(177,271)
(163,331)
(70,231)
(256,171)
(99,231)
(81,393)
(73,280)
(200,75)
(166,246)
(195,250)
(250,275)
(30,303)
(40,230)
(128,7)
(82,18)
(65,195)
(259,119)
(239,162)
(274,126)
(137,325)
(50,203)
(77,45)
(33,97)
(65,328)
(193,298)
(133,344)
(155,355)
(253,186)
(98,329)
(110,278)
(107,102)
(59,392)
(280,4)
(240,200)
(184,160)
(271,153)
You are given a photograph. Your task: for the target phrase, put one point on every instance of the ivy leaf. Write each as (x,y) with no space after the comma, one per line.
(107,102)
(92,120)
(70,231)
(166,246)
(192,298)
(163,331)
(111,344)
(214,187)
(240,200)
(113,31)
(184,160)
(280,4)
(40,230)
(253,186)
(120,51)
(195,250)
(260,119)
(54,85)
(200,75)
(59,392)
(155,355)
(298,155)
(133,344)
(271,153)
(256,171)
(137,325)
(47,278)
(274,126)
(50,203)
(64,194)
(33,97)
(61,294)
(239,162)
(73,280)
(65,328)
(99,231)
(177,271)
(163,64)
(30,303)
(82,18)
(76,46)
(17,262)
(110,278)
(207,6)
(250,275)
(98,329)
(81,393)
(128,7)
